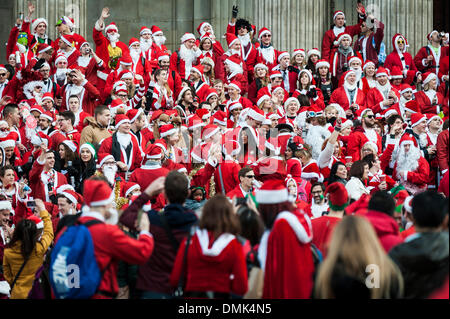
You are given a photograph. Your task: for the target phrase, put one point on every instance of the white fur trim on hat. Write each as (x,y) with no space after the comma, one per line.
(234,86)
(35,140)
(127,120)
(187,36)
(111,27)
(314,51)
(65,40)
(235,105)
(322,64)
(337,14)
(71,145)
(272,197)
(144,31)
(106,158)
(430,77)
(69,196)
(36,22)
(282,55)
(264,33)
(261,66)
(132,188)
(89,148)
(5,205)
(45,116)
(256,116)
(212,133)
(422,119)
(290,100)
(262,99)
(308,72)
(169,132)
(8,143)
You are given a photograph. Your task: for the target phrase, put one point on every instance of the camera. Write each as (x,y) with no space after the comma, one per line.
(31,204)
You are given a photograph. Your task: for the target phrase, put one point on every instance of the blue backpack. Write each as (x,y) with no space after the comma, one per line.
(74,272)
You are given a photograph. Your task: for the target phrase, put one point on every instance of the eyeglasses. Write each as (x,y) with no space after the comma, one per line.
(122,96)
(266,36)
(250,176)
(4,129)
(110,163)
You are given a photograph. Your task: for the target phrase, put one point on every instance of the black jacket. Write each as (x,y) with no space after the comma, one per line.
(423,262)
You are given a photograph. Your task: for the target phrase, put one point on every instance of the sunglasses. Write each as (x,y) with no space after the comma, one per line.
(2,74)
(400,42)
(370,116)
(250,176)
(266,36)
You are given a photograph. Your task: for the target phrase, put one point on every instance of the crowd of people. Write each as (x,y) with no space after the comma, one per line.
(212,172)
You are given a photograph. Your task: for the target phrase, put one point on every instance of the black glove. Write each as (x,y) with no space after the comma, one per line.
(293,69)
(39,64)
(312,93)
(72,171)
(235,11)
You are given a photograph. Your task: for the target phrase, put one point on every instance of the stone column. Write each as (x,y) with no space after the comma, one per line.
(52,10)
(294,24)
(412,18)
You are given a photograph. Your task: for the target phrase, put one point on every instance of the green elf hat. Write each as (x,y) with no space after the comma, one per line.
(338,198)
(90,148)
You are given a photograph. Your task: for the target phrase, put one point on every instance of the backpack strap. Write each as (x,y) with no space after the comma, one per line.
(173,240)
(18,274)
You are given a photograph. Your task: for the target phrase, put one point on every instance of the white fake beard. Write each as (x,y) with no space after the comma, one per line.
(76,90)
(61,74)
(235,69)
(159,40)
(110,173)
(114,218)
(359,73)
(22,48)
(423,140)
(350,87)
(84,61)
(187,55)
(38,97)
(384,89)
(113,39)
(233,52)
(315,137)
(135,54)
(371,135)
(408,162)
(123,139)
(268,54)
(146,44)
(245,40)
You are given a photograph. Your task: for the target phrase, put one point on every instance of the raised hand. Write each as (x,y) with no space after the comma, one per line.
(105,13)
(235,11)
(31,8)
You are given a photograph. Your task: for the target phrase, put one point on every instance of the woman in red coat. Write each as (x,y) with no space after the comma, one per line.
(429,100)
(307,91)
(284,252)
(215,260)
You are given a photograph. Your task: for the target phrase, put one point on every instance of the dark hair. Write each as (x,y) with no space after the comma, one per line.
(27,233)
(429,209)
(270,211)
(243,23)
(11,71)
(218,217)
(62,196)
(391,120)
(333,178)
(100,109)
(68,115)
(70,156)
(382,202)
(357,169)
(74,96)
(176,187)
(445,125)
(244,172)
(9,109)
(252,226)
(369,159)
(3,169)
(380,125)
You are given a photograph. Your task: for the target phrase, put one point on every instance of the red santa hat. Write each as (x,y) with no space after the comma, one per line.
(71,145)
(198,69)
(211,92)
(234,59)
(156,30)
(133,114)
(341,37)
(235,105)
(315,51)
(167,130)
(153,151)
(43,47)
(236,85)
(417,118)
(60,57)
(130,187)
(338,13)
(308,72)
(261,100)
(427,77)
(37,108)
(382,72)
(40,138)
(231,38)
(2,68)
(321,64)
(299,51)
(203,114)
(103,158)
(346,123)
(261,66)
(201,27)
(220,117)
(36,22)
(209,131)
(48,96)
(8,141)
(412,106)
(206,36)
(279,87)
(408,139)
(145,30)
(97,193)
(194,122)
(257,114)
(126,74)
(111,27)
(352,59)
(262,32)
(133,41)
(68,193)
(187,36)
(368,63)
(389,112)
(163,56)
(283,54)
(396,73)
(121,119)
(338,198)
(120,86)
(272,192)
(126,59)
(406,88)
(68,39)
(430,35)
(37,221)
(116,103)
(292,100)
(275,74)
(231,148)
(431,117)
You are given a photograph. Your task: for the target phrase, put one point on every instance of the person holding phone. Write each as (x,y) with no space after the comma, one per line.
(383,95)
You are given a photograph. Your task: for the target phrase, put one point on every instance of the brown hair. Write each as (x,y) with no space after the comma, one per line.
(357,169)
(244,172)
(218,216)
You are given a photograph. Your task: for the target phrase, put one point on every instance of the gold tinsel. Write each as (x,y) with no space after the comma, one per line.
(120,201)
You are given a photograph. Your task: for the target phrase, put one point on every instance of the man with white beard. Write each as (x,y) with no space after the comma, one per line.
(158,42)
(107,167)
(383,95)
(108,48)
(141,65)
(60,76)
(146,41)
(355,64)
(90,63)
(411,169)
(186,57)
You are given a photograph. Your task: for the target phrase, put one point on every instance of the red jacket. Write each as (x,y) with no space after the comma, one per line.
(371,51)
(442,146)
(88,98)
(374,100)
(416,181)
(236,192)
(212,267)
(230,179)
(145,175)
(386,228)
(341,97)
(179,65)
(322,228)
(329,38)
(393,59)
(102,44)
(357,140)
(135,159)
(426,105)
(39,189)
(420,59)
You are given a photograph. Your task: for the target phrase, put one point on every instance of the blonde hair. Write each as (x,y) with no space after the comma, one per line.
(354,246)
(330,108)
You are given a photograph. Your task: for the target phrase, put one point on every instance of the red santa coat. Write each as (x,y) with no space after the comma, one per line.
(322,229)
(416,181)
(179,65)
(331,35)
(79,121)
(78,40)
(443,68)
(212,264)
(434,164)
(111,244)
(91,70)
(102,48)
(32,37)
(236,192)
(407,63)
(38,188)
(318,100)
(229,171)
(57,137)
(270,168)
(386,229)
(286,257)
(270,64)
(374,100)
(426,104)
(164,103)
(175,83)
(341,97)
(442,152)
(145,175)
(357,140)
(133,161)
(88,97)
(420,60)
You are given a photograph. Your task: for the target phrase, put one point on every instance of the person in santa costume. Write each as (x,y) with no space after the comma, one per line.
(331,152)
(284,252)
(186,56)
(80,115)
(110,242)
(121,92)
(65,121)
(396,78)
(60,73)
(261,80)
(36,29)
(383,95)
(91,66)
(290,75)
(65,26)
(340,56)
(307,93)
(267,54)
(402,59)
(162,98)
(322,77)
(68,49)
(417,131)
(349,96)
(159,40)
(18,46)
(245,187)
(44,180)
(442,151)
(197,80)
(355,63)
(234,72)
(123,146)
(108,48)
(235,93)
(434,123)
(322,227)
(411,169)
(369,43)
(363,134)
(79,86)
(328,41)
(429,100)
(68,207)
(429,57)
(146,43)
(5,87)
(138,123)
(141,65)
(174,79)
(210,47)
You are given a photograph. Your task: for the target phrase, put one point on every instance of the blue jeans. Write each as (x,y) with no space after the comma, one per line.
(154,295)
